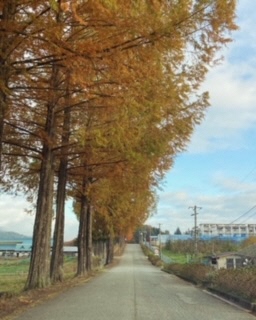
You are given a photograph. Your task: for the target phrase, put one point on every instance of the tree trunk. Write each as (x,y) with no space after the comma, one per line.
(39,270)
(89,238)
(38,276)
(82,245)
(110,249)
(57,257)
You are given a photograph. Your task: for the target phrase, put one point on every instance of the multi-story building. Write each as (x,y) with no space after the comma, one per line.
(227,230)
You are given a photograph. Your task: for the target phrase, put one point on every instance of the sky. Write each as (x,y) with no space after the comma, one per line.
(217,172)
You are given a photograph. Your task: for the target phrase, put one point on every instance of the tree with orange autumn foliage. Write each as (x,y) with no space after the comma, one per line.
(95,95)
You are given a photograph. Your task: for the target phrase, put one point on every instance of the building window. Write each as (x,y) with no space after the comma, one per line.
(230,263)
(239,263)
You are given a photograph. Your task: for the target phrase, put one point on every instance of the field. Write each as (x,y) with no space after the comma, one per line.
(176,257)
(13,273)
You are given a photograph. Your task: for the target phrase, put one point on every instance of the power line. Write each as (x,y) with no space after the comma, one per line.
(243,214)
(248,174)
(254,213)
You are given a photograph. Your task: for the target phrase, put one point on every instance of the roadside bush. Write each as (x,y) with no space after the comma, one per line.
(196,273)
(175,268)
(239,282)
(154,259)
(145,250)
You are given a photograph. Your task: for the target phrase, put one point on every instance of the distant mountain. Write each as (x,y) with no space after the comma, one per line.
(9,235)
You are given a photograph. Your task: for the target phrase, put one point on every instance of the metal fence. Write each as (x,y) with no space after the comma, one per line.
(165,259)
(155,250)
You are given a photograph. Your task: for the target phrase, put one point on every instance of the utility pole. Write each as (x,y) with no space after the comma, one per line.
(195,226)
(150,236)
(160,240)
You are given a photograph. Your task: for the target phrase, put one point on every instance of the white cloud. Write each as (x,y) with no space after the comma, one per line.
(232,87)
(227,124)
(231,185)
(15,218)
(232,111)
(13,215)
(228,200)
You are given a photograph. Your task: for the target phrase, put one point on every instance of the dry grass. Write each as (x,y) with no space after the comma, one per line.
(13,275)
(15,301)
(12,284)
(12,306)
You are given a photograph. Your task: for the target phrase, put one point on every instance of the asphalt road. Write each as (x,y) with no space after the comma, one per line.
(135,290)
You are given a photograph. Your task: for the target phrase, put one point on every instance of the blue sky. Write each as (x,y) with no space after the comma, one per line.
(218,170)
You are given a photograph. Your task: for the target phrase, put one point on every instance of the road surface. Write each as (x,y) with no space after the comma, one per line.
(135,290)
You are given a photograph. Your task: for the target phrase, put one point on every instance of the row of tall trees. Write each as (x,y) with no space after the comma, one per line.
(96,100)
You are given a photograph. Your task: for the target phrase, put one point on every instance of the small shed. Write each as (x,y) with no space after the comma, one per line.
(226,260)
(7,248)
(70,251)
(23,249)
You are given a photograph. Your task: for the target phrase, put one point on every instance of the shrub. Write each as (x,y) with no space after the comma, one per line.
(240,282)
(145,250)
(154,259)
(196,273)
